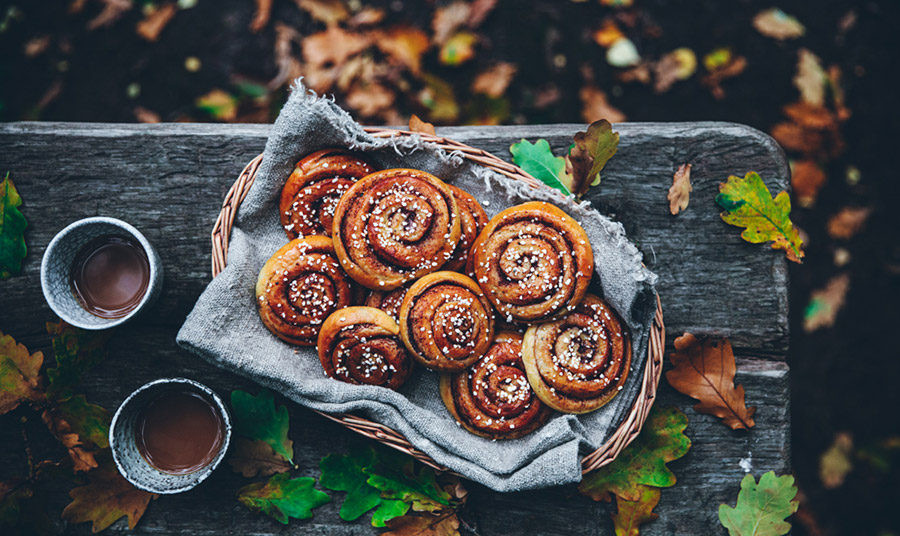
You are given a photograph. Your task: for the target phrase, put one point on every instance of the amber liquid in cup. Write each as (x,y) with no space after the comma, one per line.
(180,432)
(110,276)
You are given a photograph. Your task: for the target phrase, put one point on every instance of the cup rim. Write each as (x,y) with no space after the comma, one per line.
(152,261)
(202,473)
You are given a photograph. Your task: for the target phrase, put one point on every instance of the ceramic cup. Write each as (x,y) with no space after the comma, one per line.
(56,269)
(123,439)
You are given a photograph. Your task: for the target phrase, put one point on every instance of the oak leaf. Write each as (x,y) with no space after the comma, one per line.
(824,304)
(748,203)
(423,127)
(106,498)
(761,509)
(704,370)
(77,351)
(680,192)
(346,473)
(254,457)
(398,477)
(538,160)
(643,462)
(257,417)
(405,45)
(445,523)
(283,497)
(630,515)
(777,24)
(81,427)
(12,230)
(19,374)
(589,154)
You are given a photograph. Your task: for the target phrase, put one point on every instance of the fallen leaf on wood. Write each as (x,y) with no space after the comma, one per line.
(458,49)
(77,351)
(329,12)
(443,524)
(595,106)
(254,457)
(334,46)
(261,15)
(154,23)
(589,154)
(538,160)
(106,498)
(807,178)
(257,417)
(777,24)
(835,463)
(494,80)
(19,374)
(761,509)
(630,515)
(704,370)
(282,497)
(643,462)
(405,45)
(417,125)
(680,192)
(748,203)
(850,220)
(111,12)
(824,304)
(447,19)
(810,78)
(680,64)
(398,477)
(346,473)
(81,427)
(12,230)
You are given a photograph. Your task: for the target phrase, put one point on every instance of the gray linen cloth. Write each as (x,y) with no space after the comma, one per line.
(224,327)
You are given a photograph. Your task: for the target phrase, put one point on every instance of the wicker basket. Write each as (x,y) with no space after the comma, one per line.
(624,434)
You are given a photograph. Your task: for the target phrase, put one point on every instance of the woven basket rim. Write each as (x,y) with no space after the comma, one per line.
(630,426)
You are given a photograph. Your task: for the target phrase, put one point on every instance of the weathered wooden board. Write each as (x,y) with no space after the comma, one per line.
(169,180)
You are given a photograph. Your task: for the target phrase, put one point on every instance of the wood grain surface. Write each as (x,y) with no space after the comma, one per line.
(169,180)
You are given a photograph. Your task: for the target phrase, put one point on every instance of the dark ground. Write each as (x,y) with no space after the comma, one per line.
(844,377)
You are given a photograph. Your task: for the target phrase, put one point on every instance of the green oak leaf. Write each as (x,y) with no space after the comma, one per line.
(590,152)
(77,351)
(643,462)
(398,477)
(761,509)
(257,417)
(12,230)
(283,497)
(345,473)
(749,204)
(89,421)
(537,159)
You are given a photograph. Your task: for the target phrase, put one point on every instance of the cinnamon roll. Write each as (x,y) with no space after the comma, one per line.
(533,261)
(580,362)
(299,286)
(493,399)
(446,322)
(360,345)
(394,226)
(472,219)
(312,191)
(388,301)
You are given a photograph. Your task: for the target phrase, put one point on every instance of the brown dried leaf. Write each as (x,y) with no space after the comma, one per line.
(405,45)
(595,106)
(19,374)
(36,46)
(82,456)
(835,463)
(494,81)
(846,223)
(777,24)
(417,125)
(680,64)
(810,78)
(448,19)
(105,499)
(329,12)
(333,46)
(369,98)
(807,177)
(445,523)
(111,12)
(824,304)
(704,370)
(154,23)
(680,191)
(256,458)
(261,16)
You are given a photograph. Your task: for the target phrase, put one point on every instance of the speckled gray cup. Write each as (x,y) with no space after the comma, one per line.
(122,439)
(56,269)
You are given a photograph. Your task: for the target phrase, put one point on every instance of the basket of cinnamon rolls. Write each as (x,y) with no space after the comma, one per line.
(387,270)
